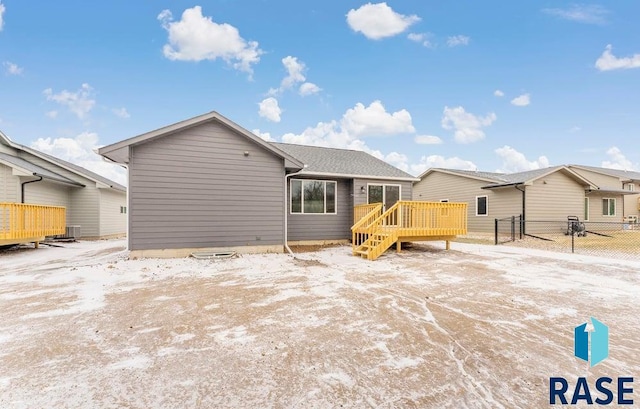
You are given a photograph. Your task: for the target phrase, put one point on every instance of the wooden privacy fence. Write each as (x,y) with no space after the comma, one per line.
(21,222)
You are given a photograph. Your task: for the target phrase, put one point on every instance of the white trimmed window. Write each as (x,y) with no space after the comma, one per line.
(631,187)
(608,206)
(482,205)
(313,196)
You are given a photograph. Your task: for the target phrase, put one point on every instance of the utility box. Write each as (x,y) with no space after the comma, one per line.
(73,232)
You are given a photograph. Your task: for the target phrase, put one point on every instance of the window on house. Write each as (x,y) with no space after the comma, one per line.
(123,209)
(608,207)
(586,209)
(482,205)
(631,187)
(313,196)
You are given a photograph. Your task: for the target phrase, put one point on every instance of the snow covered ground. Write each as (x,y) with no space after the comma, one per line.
(475,327)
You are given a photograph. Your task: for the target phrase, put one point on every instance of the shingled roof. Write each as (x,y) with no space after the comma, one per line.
(35,169)
(342,162)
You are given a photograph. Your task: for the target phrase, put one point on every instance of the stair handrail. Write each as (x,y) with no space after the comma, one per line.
(372,227)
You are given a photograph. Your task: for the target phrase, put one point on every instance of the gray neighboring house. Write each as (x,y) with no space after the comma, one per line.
(549,194)
(94,203)
(615,181)
(208,184)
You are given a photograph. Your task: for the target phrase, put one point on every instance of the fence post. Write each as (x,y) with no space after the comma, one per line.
(573,245)
(521,226)
(496,232)
(513,228)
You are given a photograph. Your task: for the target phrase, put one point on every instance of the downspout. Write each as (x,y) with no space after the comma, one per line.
(286,213)
(523,209)
(26,183)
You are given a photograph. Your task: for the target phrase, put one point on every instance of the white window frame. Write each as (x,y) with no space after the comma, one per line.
(384,194)
(615,206)
(631,187)
(587,208)
(486,206)
(302,197)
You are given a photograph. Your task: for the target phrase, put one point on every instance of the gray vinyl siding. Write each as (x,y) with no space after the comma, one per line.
(112,220)
(598,179)
(361,198)
(197,189)
(9,185)
(554,197)
(85,211)
(324,226)
(47,193)
(503,202)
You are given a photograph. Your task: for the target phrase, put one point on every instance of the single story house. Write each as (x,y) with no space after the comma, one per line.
(206,183)
(549,194)
(95,205)
(616,181)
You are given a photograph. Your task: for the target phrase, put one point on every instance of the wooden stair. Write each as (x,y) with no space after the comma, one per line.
(376,244)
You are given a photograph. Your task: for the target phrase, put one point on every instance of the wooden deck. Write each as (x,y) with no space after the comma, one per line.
(374,232)
(29,223)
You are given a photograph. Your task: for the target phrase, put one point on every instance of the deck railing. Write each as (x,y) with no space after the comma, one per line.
(362,210)
(29,221)
(363,220)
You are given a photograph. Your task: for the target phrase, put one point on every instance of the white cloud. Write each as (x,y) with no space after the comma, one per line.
(80,151)
(121,112)
(608,61)
(309,88)
(2,10)
(467,126)
(617,160)
(264,135)
(427,140)
(498,93)
(522,100)
(421,38)
(455,41)
(196,38)
(270,110)
(11,68)
(437,161)
(52,114)
(575,129)
(295,72)
(79,102)
(581,13)
(374,120)
(514,161)
(378,21)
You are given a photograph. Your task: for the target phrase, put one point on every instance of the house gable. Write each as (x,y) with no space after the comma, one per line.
(204,186)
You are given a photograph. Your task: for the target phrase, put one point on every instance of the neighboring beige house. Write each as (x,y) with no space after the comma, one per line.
(615,181)
(549,194)
(94,203)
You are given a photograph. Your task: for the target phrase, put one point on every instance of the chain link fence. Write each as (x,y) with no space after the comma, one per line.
(609,239)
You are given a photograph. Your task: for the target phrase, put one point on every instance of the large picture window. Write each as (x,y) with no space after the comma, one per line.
(608,207)
(313,196)
(482,205)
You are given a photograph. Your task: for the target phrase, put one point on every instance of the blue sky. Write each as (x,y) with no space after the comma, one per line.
(491,85)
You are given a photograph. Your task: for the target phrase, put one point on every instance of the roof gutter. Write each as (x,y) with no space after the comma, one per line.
(349,176)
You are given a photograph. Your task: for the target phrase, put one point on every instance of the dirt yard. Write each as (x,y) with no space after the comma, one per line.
(475,327)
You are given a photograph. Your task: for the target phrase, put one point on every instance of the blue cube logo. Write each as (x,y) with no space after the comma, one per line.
(591,345)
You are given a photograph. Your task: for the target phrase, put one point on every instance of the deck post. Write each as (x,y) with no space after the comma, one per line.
(37,244)
(448,245)
(398,246)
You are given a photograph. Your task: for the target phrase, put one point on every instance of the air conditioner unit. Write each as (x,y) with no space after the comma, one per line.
(73,232)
